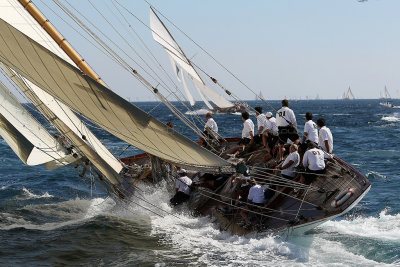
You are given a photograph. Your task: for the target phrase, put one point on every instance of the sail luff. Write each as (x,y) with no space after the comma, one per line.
(100,105)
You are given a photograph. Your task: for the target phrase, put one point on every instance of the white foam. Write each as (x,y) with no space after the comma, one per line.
(201,111)
(3,187)
(30,195)
(383,227)
(394,118)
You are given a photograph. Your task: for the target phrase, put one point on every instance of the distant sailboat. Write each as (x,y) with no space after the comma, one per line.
(385,94)
(349,95)
(259,96)
(317,97)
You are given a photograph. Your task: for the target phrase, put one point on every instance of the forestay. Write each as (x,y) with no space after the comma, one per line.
(163,37)
(30,141)
(98,103)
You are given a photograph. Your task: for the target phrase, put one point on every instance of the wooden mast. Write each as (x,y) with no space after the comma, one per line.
(45,24)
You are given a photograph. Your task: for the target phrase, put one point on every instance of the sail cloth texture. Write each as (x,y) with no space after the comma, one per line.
(30,141)
(97,103)
(17,16)
(162,36)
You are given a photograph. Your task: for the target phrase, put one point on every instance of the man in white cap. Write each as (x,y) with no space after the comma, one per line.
(182,188)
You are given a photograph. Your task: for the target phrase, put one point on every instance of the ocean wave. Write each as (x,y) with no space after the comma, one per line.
(383,227)
(64,214)
(375,175)
(31,195)
(201,111)
(394,118)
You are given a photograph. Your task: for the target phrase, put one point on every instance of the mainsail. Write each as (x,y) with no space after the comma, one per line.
(30,141)
(179,59)
(97,103)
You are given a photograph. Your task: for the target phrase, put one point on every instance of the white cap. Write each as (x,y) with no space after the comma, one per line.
(182,171)
(268,114)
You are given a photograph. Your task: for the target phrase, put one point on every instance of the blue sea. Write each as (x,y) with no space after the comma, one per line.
(57,218)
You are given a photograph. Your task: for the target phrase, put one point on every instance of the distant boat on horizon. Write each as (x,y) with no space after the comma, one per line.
(349,95)
(385,94)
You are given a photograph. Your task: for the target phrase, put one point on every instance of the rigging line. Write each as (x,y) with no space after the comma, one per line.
(147,50)
(220,64)
(106,36)
(83,36)
(123,63)
(126,63)
(244,202)
(250,211)
(284,180)
(126,41)
(280,183)
(177,97)
(263,168)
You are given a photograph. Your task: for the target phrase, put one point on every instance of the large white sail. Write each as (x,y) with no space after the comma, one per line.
(349,94)
(163,36)
(30,141)
(386,93)
(14,13)
(97,103)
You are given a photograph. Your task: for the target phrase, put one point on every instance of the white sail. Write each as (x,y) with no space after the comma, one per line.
(163,36)
(386,93)
(348,95)
(187,91)
(30,141)
(14,13)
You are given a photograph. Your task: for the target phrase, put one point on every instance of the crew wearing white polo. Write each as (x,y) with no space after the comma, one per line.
(313,159)
(310,129)
(325,139)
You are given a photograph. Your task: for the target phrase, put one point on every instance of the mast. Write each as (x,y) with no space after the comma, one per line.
(61,41)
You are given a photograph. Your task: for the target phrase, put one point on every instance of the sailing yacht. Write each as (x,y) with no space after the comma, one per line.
(386,96)
(348,95)
(59,83)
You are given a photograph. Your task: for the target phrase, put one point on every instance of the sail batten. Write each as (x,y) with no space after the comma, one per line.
(101,106)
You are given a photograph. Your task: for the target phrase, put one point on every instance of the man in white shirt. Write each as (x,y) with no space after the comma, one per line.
(261,124)
(182,188)
(270,136)
(291,162)
(313,162)
(287,124)
(325,140)
(248,129)
(255,198)
(210,128)
(310,129)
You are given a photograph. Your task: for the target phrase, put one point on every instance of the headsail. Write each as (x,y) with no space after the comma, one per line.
(163,37)
(97,103)
(32,143)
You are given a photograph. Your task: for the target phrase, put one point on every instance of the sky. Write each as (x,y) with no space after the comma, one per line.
(282,48)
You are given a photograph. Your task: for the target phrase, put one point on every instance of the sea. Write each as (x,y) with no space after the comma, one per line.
(56,218)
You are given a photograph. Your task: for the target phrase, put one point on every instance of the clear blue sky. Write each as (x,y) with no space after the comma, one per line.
(282,48)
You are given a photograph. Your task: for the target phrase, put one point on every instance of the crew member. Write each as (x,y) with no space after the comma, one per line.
(291,162)
(255,198)
(287,124)
(325,140)
(270,136)
(310,131)
(182,188)
(261,124)
(210,128)
(313,162)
